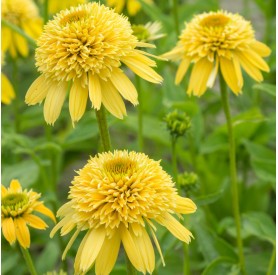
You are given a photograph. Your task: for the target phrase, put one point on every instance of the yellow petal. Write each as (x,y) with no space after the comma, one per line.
(72,239)
(77,267)
(46,211)
(229,73)
(91,248)
(177,229)
(37,91)
(6,38)
(34,221)
(15,186)
(108,254)
(4,191)
(213,74)
(12,48)
(185,205)
(145,248)
(199,77)
(22,232)
(54,101)
(7,91)
(182,70)
(141,69)
(250,69)
(65,209)
(112,100)
(8,230)
(157,246)
(33,27)
(77,100)
(124,86)
(132,250)
(175,54)
(260,48)
(256,60)
(133,7)
(21,44)
(95,91)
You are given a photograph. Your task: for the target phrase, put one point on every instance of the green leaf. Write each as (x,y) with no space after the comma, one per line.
(261,225)
(26,171)
(208,199)
(210,269)
(264,87)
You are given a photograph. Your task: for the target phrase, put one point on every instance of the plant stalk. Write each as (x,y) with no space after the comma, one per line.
(233,171)
(272,261)
(28,260)
(140,115)
(103,129)
(176,16)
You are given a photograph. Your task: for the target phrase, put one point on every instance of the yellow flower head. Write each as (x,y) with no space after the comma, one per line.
(25,15)
(85,46)
(217,38)
(132,6)
(56,6)
(17,207)
(115,198)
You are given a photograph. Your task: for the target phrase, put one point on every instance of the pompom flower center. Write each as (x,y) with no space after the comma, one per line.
(120,167)
(73,17)
(14,204)
(215,20)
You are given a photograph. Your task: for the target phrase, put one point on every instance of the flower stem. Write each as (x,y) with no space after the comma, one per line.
(103,129)
(174,160)
(19,31)
(176,16)
(140,115)
(45,11)
(129,267)
(272,261)
(28,260)
(233,171)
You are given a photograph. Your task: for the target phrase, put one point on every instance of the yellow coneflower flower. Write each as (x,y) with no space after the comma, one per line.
(85,46)
(7,90)
(148,32)
(218,38)
(25,15)
(132,6)
(17,207)
(56,6)
(115,198)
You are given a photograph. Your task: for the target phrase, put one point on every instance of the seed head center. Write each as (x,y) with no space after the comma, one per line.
(73,17)
(120,166)
(215,20)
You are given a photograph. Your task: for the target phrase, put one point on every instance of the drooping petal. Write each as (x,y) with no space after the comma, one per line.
(183,67)
(54,101)
(8,229)
(108,254)
(44,210)
(6,38)
(132,250)
(184,205)
(256,60)
(259,47)
(229,73)
(199,77)
(250,69)
(95,90)
(112,100)
(124,86)
(22,232)
(145,248)
(91,248)
(7,91)
(213,74)
(71,241)
(21,44)
(141,69)
(37,91)
(15,186)
(177,229)
(77,100)
(34,221)
(157,246)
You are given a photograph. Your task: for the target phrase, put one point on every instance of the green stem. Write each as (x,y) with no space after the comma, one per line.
(19,31)
(176,16)
(103,129)
(129,267)
(174,160)
(140,115)
(233,171)
(28,260)
(45,11)
(186,263)
(272,261)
